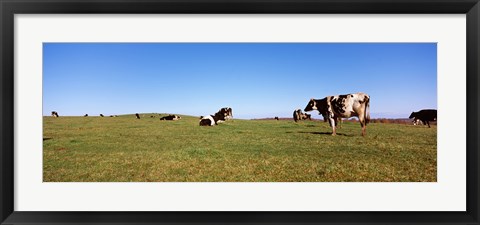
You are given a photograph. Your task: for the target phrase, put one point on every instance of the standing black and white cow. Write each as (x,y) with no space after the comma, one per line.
(101,115)
(171,117)
(137,116)
(342,106)
(54,114)
(424,115)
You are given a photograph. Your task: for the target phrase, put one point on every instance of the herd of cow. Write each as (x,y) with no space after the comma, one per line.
(332,108)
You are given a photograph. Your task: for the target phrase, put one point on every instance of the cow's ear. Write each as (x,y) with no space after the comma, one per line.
(311,99)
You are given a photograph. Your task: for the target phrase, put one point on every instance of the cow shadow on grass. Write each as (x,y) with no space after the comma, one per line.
(325,133)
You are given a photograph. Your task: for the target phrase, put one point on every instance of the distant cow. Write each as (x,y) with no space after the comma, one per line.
(342,106)
(276,118)
(212,120)
(101,115)
(54,114)
(425,115)
(85,115)
(137,116)
(171,117)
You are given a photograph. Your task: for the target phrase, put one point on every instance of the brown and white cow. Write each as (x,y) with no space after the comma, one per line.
(342,106)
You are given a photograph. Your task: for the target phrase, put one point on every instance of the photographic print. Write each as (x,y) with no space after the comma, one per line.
(239,112)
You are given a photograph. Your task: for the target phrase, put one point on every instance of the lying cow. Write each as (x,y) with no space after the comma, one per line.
(227,111)
(171,117)
(306,116)
(299,115)
(425,115)
(336,107)
(212,120)
(54,114)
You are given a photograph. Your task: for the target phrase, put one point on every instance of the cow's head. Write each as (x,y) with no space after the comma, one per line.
(312,105)
(413,115)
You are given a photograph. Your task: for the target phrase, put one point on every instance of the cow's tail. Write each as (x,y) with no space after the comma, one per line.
(367,109)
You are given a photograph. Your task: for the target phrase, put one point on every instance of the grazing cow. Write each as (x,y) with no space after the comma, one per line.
(111,115)
(424,115)
(85,115)
(152,116)
(137,116)
(342,106)
(171,117)
(54,114)
(101,115)
(212,120)
(276,118)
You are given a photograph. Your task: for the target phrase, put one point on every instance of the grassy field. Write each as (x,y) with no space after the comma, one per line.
(123,149)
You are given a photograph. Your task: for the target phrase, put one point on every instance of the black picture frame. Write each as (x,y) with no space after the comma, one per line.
(9,8)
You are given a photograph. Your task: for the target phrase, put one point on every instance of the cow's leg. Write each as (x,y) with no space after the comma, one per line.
(333,120)
(428,123)
(363,123)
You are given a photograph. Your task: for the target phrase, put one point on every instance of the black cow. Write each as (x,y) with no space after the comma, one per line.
(54,114)
(137,116)
(336,107)
(424,115)
(171,117)
(101,115)
(85,115)
(276,118)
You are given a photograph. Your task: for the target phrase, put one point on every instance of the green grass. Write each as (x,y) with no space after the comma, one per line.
(124,149)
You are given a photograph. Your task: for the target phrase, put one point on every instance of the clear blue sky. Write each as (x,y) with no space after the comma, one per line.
(256,79)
